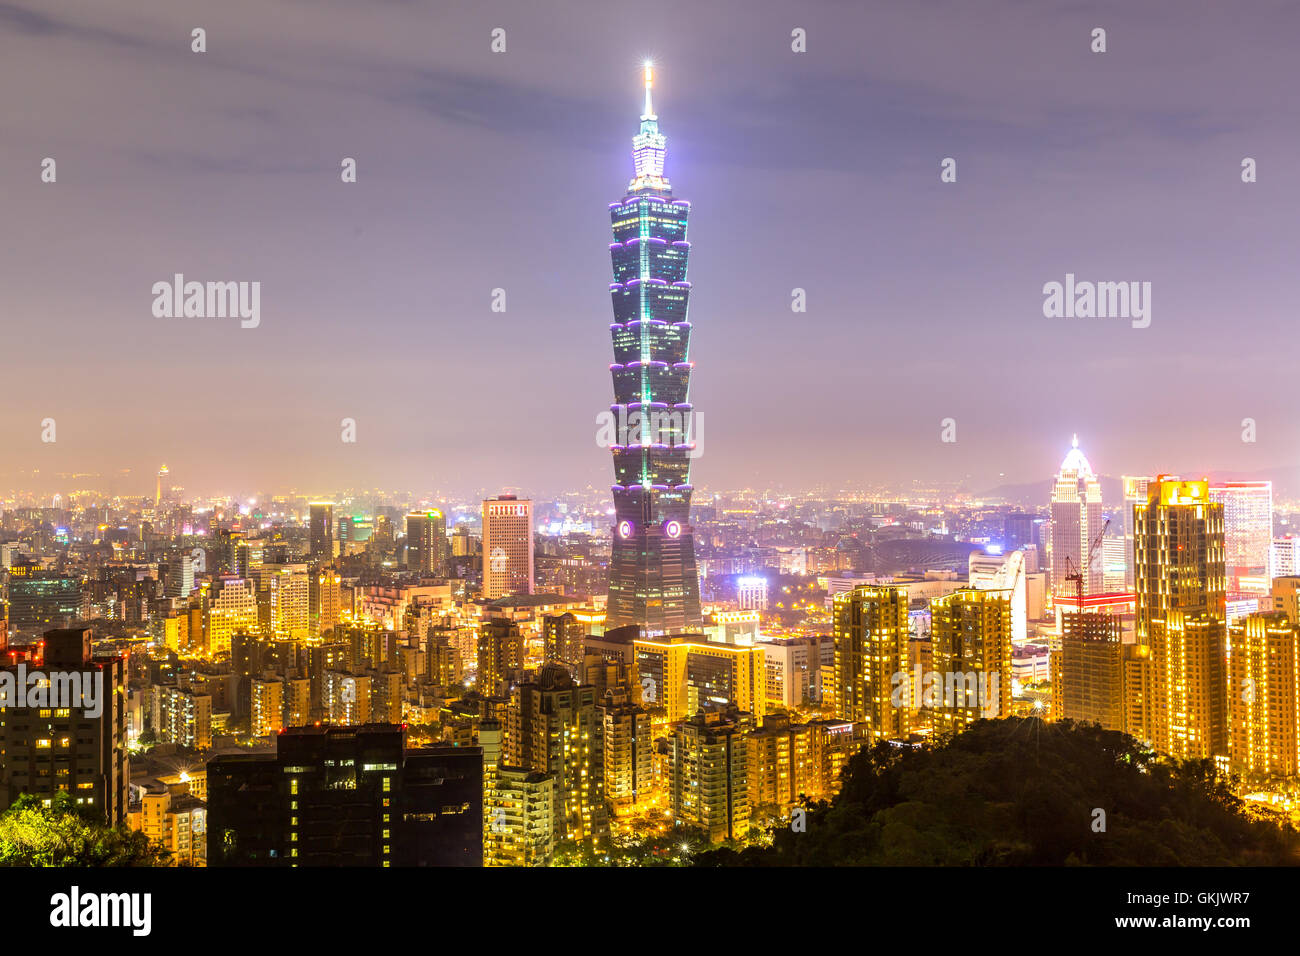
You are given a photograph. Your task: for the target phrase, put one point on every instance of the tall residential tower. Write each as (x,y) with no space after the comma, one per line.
(652,577)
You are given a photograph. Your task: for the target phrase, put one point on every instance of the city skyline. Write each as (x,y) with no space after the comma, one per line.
(1123,167)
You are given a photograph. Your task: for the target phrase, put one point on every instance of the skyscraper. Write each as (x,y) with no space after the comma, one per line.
(652,577)
(507,547)
(1135,491)
(1076,521)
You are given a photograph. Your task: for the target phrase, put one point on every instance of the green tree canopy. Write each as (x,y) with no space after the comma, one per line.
(62,834)
(1024,792)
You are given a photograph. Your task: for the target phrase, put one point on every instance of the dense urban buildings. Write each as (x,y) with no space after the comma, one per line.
(364,676)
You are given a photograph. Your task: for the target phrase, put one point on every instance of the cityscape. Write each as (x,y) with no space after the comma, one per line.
(1077,646)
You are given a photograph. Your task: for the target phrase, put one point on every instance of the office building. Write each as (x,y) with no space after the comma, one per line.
(346,796)
(1076,523)
(507,547)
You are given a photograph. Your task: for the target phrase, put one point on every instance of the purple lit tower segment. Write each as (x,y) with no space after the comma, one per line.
(652,578)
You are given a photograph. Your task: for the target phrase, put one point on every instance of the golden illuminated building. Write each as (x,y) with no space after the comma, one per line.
(500,654)
(174,817)
(266,700)
(871,648)
(555,727)
(1181,590)
(683,673)
(783,766)
(1264,695)
(709,767)
(324,600)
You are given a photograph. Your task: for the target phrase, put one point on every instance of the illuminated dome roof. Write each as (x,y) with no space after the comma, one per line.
(1076,462)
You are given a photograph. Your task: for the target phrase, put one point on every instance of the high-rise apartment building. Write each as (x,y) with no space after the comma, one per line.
(507,547)
(324,600)
(500,655)
(1264,696)
(1181,592)
(709,772)
(871,659)
(1135,491)
(653,582)
(182,716)
(556,728)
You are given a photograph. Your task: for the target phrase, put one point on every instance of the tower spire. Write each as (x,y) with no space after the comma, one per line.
(648,145)
(649,84)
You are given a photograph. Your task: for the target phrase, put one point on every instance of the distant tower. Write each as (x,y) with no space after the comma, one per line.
(652,578)
(1076,521)
(321,530)
(162,486)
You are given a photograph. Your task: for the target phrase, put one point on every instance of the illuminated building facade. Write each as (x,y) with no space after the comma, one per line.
(507,547)
(653,582)
(709,767)
(182,716)
(871,647)
(1076,521)
(1264,696)
(500,655)
(627,748)
(783,766)
(1181,593)
(556,728)
(684,673)
(230,607)
(324,600)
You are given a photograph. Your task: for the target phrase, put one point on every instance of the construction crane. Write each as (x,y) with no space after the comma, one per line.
(1076,575)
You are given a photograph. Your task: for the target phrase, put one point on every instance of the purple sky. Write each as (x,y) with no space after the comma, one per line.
(481,170)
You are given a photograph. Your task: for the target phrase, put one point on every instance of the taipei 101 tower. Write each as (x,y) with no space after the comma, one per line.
(652,578)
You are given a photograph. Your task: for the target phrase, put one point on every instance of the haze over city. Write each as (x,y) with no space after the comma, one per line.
(477,172)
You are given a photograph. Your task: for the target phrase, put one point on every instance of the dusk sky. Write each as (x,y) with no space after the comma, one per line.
(481,170)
